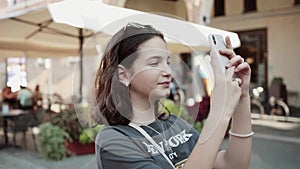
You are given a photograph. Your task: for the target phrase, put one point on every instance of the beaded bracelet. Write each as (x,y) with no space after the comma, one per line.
(241,135)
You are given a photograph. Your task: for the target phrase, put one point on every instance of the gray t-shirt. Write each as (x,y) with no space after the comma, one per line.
(124,147)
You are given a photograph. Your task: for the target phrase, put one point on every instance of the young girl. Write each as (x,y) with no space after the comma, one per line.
(133,76)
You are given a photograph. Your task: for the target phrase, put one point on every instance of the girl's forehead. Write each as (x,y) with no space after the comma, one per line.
(153,47)
(155,42)
(145,54)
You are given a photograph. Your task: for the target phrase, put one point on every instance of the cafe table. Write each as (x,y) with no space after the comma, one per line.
(6,116)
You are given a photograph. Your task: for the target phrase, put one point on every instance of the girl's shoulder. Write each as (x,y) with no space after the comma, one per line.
(113,133)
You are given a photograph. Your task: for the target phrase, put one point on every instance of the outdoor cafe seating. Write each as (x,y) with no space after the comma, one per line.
(17,121)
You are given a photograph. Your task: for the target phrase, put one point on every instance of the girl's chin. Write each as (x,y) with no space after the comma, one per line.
(164,95)
(159,94)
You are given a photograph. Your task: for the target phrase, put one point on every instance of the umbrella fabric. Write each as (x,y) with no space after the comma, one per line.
(109,19)
(35,34)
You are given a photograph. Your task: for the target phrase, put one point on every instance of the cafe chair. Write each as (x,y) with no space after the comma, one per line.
(38,118)
(20,124)
(1,135)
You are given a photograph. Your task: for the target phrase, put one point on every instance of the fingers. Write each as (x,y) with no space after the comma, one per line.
(228,43)
(235,61)
(229,49)
(230,76)
(242,67)
(227,52)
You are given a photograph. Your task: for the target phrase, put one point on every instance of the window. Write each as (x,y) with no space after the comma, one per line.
(219,8)
(249,6)
(16,72)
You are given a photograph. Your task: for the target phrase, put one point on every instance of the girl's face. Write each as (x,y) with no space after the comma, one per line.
(151,74)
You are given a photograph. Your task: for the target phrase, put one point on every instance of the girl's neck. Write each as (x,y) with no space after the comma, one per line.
(143,111)
(143,116)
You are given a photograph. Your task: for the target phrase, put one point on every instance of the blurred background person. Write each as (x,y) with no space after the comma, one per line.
(9,97)
(25,97)
(37,98)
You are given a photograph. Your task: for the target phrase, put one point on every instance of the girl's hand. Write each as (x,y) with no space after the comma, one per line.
(226,92)
(242,69)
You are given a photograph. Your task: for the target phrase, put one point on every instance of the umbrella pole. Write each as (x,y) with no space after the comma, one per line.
(80,64)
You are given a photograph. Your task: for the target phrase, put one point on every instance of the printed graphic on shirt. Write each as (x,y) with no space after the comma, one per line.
(172,142)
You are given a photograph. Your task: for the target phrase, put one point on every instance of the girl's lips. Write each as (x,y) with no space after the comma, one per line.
(165,84)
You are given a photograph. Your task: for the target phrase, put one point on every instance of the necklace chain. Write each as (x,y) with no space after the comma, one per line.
(162,127)
(163,135)
(142,122)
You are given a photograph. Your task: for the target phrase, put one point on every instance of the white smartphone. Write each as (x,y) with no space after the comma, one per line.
(217,42)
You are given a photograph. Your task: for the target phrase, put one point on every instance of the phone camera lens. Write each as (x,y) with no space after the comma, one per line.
(214,39)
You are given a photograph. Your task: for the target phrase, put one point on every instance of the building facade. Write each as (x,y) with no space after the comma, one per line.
(268,30)
(269,33)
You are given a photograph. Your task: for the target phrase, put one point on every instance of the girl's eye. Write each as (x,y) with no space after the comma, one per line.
(153,63)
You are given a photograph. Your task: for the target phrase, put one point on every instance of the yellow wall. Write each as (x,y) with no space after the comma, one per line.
(233,7)
(269,5)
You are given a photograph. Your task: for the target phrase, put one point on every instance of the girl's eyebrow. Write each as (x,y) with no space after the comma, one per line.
(159,57)
(155,57)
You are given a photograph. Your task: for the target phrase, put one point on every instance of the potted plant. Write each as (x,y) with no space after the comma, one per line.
(88,135)
(176,109)
(82,140)
(50,141)
(68,121)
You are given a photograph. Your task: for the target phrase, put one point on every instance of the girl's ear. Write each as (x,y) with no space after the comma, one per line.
(123,75)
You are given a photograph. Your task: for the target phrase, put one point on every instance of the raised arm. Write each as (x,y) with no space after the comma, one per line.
(238,151)
(225,99)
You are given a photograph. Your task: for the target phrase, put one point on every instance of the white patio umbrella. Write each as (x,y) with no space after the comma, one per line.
(32,32)
(35,34)
(109,19)
(181,36)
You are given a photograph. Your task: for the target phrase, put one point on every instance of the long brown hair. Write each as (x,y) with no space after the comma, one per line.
(113,105)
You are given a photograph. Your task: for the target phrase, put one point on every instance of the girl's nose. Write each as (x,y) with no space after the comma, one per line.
(167,71)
